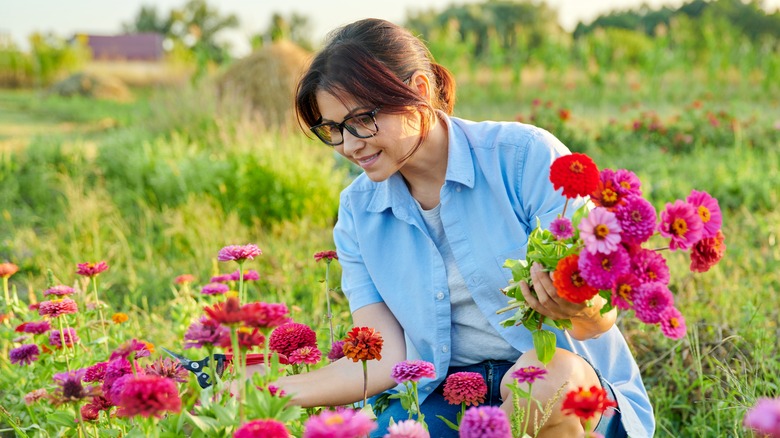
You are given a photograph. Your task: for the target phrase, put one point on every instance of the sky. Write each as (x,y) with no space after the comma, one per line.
(20,18)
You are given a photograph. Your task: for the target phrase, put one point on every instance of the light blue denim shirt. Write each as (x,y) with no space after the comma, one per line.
(497,184)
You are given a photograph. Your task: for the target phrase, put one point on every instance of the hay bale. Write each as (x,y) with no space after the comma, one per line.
(91,85)
(263,83)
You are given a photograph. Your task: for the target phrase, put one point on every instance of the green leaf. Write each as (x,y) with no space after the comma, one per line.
(62,418)
(544,344)
(448,422)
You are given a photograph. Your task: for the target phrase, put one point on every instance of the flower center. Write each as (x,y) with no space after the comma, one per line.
(601,231)
(674,322)
(625,184)
(336,419)
(624,291)
(608,197)
(606,265)
(576,279)
(576,167)
(651,275)
(679,227)
(704,214)
(636,216)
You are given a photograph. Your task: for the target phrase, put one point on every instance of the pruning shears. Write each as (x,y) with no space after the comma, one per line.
(197,367)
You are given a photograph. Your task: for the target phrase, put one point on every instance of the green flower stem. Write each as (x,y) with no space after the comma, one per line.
(82,429)
(327,300)
(238,373)
(241,293)
(5,292)
(527,416)
(63,344)
(365,382)
(565,204)
(100,312)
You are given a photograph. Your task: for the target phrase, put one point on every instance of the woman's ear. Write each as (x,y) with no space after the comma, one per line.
(422,84)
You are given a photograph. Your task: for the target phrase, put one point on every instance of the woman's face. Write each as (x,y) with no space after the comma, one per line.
(379,156)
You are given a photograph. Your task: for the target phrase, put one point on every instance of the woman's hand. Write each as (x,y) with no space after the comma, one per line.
(587,321)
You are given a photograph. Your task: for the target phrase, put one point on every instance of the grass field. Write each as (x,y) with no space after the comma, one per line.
(157,186)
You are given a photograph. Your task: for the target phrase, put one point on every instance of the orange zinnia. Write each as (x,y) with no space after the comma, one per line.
(363,343)
(569,282)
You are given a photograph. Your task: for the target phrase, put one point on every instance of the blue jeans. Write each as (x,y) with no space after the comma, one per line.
(493,371)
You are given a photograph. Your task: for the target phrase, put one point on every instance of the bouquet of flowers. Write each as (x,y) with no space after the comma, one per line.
(599,251)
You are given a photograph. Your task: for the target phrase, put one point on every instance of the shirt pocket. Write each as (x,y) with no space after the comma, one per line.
(516,254)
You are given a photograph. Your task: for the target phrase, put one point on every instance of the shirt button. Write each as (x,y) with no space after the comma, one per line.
(440,296)
(445,348)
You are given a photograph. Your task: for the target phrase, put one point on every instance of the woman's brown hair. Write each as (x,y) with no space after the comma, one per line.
(370,60)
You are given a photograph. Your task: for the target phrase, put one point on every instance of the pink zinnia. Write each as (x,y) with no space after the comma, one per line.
(133,346)
(764,417)
(265,315)
(184,279)
(637,218)
(55,308)
(624,290)
(672,323)
(412,371)
(561,228)
(707,252)
(649,266)
(224,278)
(34,327)
(149,395)
(35,395)
(650,300)
(529,374)
(602,270)
(238,253)
(680,222)
(91,269)
(60,290)
(485,422)
(465,387)
(205,332)
(250,275)
(165,367)
(8,269)
(305,355)
(627,183)
(96,372)
(214,289)
(342,423)
(407,429)
(25,354)
(600,231)
(709,212)
(115,370)
(70,337)
(326,255)
(336,350)
(291,336)
(267,428)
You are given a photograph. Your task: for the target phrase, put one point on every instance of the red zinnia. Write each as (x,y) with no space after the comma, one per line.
(569,283)
(585,403)
(248,338)
(363,343)
(265,315)
(291,336)
(228,312)
(91,269)
(465,387)
(327,255)
(707,252)
(148,395)
(576,173)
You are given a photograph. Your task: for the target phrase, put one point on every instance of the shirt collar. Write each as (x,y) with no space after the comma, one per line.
(393,192)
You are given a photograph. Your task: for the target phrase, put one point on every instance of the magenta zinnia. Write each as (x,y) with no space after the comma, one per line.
(265,315)
(336,350)
(529,374)
(25,354)
(485,422)
(71,338)
(291,336)
(342,423)
(214,289)
(764,417)
(627,183)
(34,327)
(60,290)
(465,387)
(623,291)
(600,231)
(672,323)
(412,371)
(681,223)
(71,389)
(238,253)
(650,300)
(709,211)
(649,266)
(561,228)
(165,367)
(149,396)
(91,269)
(602,270)
(250,275)
(206,332)
(96,372)
(326,255)
(55,308)
(637,218)
(267,428)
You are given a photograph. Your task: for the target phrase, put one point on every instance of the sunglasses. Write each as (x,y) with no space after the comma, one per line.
(361,125)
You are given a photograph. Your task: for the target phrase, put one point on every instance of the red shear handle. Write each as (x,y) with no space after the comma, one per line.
(256,358)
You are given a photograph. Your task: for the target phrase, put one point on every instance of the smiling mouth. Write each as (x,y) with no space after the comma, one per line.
(368,159)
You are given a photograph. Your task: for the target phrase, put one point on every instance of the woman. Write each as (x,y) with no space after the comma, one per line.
(423,233)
